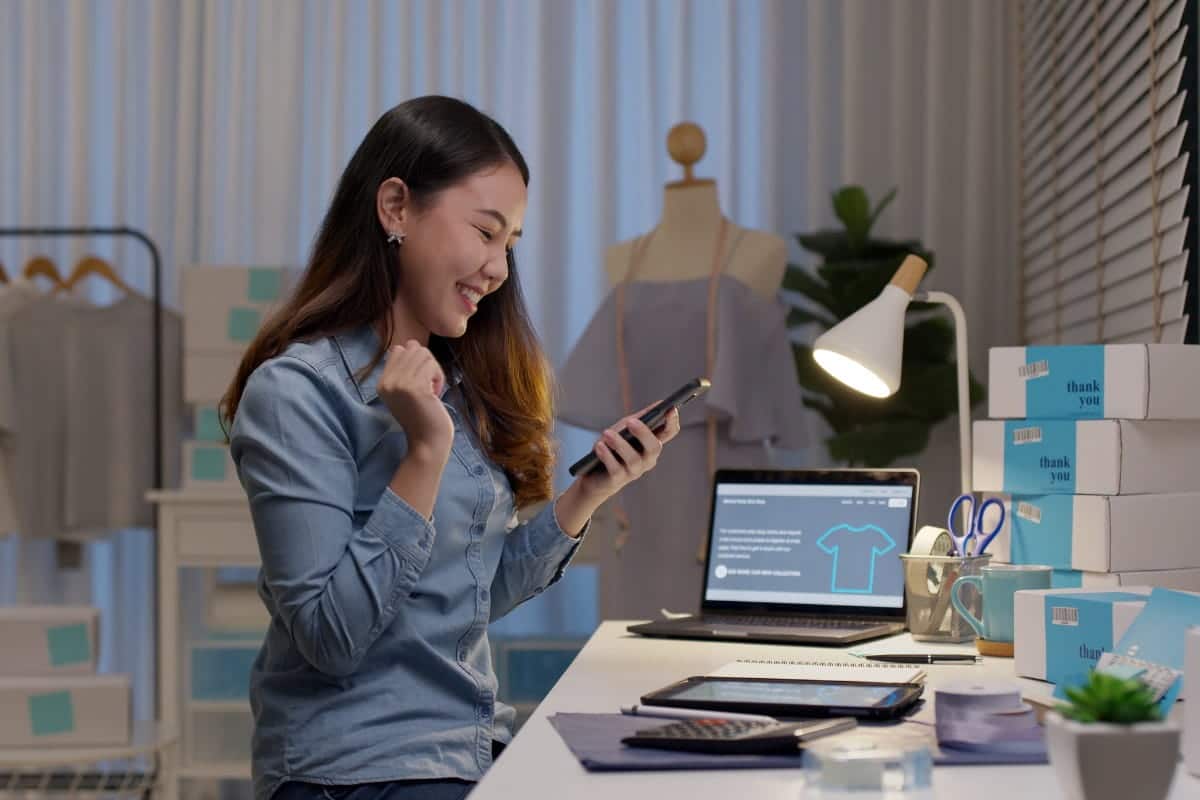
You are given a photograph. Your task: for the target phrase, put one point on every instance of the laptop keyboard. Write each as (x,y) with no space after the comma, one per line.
(798,622)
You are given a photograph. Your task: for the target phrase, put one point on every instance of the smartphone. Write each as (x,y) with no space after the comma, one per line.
(654,419)
(788,697)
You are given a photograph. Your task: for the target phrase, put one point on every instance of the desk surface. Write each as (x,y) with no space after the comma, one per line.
(616,667)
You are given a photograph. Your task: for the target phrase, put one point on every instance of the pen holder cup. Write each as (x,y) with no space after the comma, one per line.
(928,585)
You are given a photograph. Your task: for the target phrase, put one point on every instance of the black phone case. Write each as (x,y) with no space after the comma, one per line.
(653,419)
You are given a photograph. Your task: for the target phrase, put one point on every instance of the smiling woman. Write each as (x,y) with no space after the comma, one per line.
(388,423)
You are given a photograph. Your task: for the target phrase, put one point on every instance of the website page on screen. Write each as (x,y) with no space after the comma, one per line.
(814,545)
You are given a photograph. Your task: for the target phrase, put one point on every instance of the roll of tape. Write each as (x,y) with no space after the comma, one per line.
(973,716)
(931,541)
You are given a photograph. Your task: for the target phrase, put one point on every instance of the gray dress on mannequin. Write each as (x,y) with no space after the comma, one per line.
(654,564)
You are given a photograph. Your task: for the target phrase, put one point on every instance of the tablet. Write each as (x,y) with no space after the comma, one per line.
(783,697)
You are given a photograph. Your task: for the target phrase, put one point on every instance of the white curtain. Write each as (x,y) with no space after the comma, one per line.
(220,128)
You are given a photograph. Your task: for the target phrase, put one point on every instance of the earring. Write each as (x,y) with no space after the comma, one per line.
(395,238)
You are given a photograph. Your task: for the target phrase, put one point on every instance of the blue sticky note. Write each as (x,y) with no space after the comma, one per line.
(1072,385)
(208,425)
(68,644)
(1157,634)
(263,285)
(208,463)
(51,713)
(243,323)
(1039,456)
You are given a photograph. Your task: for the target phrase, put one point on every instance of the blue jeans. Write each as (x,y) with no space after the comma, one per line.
(439,789)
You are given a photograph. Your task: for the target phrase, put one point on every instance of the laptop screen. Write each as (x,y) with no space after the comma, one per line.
(835,544)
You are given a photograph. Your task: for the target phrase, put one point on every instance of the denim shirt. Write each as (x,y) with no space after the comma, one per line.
(376,665)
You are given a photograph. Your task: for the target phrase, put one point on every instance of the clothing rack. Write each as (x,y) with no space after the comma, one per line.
(157,367)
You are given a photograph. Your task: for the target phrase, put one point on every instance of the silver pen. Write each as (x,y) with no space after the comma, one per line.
(638,710)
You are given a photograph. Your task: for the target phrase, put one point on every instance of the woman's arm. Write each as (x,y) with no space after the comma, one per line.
(336,586)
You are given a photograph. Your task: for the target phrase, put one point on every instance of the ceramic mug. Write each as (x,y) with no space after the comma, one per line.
(996,584)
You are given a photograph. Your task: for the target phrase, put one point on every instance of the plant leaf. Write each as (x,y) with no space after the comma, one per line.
(798,279)
(851,206)
(884,203)
(803,316)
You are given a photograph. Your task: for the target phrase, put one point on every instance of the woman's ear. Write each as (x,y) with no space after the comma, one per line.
(392,203)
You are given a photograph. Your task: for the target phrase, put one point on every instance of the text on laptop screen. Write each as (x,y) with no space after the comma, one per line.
(832,544)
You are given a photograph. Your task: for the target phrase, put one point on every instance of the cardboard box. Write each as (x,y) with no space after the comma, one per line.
(1095,533)
(75,711)
(1038,456)
(1183,580)
(1059,634)
(224,306)
(1116,381)
(206,376)
(48,640)
(208,465)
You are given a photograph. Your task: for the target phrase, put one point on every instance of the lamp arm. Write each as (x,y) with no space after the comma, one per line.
(964,389)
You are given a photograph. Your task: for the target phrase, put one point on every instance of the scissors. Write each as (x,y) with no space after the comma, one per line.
(965,545)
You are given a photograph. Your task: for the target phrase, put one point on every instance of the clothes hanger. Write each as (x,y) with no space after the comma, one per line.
(44,267)
(99,267)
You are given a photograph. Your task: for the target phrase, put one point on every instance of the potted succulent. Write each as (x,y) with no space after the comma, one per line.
(1110,742)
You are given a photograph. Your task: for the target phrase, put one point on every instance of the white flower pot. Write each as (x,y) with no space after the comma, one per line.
(1103,761)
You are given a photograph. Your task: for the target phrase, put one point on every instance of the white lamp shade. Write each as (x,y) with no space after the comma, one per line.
(864,350)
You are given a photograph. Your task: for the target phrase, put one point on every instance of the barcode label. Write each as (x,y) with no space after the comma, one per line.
(1064,615)
(1034,369)
(1030,512)
(1027,435)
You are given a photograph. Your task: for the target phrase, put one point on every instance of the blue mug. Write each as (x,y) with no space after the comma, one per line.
(996,584)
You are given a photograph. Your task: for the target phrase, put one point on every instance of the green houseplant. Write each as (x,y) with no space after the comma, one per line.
(856,266)
(1111,742)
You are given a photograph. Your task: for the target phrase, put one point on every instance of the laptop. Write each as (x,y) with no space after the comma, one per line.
(803,556)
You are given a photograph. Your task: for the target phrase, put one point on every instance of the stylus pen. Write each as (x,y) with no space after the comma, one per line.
(926,658)
(690,713)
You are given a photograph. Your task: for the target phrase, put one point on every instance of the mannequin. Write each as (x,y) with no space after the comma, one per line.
(696,296)
(686,233)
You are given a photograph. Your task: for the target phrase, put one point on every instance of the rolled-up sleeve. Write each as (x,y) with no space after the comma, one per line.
(536,554)
(337,587)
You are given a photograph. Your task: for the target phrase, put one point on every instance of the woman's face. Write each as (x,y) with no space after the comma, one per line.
(455,251)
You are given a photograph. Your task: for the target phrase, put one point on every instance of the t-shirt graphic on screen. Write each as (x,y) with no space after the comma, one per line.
(854,551)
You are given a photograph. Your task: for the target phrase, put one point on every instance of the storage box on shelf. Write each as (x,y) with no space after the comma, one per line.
(65,711)
(48,640)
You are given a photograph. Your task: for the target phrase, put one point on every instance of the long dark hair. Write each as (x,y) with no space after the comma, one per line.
(430,143)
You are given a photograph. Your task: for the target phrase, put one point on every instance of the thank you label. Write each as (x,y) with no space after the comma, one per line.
(1064,382)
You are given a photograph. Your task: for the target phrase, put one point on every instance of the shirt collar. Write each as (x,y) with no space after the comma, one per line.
(358,347)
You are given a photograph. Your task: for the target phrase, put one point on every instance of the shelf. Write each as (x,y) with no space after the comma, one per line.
(215,770)
(146,740)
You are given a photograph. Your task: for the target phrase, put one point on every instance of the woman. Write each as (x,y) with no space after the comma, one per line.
(387,424)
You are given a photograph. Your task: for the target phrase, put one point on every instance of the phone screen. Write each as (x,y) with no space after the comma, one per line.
(800,694)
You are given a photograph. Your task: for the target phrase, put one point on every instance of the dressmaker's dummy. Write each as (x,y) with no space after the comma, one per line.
(696,296)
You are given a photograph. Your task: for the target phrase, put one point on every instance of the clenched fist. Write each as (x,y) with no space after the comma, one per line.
(411,387)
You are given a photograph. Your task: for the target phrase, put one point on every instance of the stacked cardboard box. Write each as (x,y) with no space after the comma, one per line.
(223,309)
(1095,451)
(50,694)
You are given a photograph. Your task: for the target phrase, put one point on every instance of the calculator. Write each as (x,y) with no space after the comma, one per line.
(734,736)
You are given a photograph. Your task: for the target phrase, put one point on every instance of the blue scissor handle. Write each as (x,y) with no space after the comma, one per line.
(961,542)
(984,539)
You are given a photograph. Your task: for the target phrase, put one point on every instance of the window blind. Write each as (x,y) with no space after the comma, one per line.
(1107,165)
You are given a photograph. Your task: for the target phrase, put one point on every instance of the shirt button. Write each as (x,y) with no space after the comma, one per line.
(483,594)
(478,470)
(477,529)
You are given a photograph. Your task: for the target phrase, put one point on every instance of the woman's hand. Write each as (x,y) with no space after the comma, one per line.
(623,463)
(411,387)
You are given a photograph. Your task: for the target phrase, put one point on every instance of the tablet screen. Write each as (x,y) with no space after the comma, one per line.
(771,693)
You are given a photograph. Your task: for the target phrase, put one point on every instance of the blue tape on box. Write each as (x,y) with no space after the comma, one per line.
(1066,382)
(1041,527)
(1079,627)
(68,644)
(263,284)
(223,673)
(243,324)
(209,463)
(51,713)
(1066,579)
(1039,456)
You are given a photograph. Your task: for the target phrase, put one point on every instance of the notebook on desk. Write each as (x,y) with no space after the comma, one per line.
(802,556)
(821,669)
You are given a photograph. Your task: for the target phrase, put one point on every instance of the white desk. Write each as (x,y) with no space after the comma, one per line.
(616,668)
